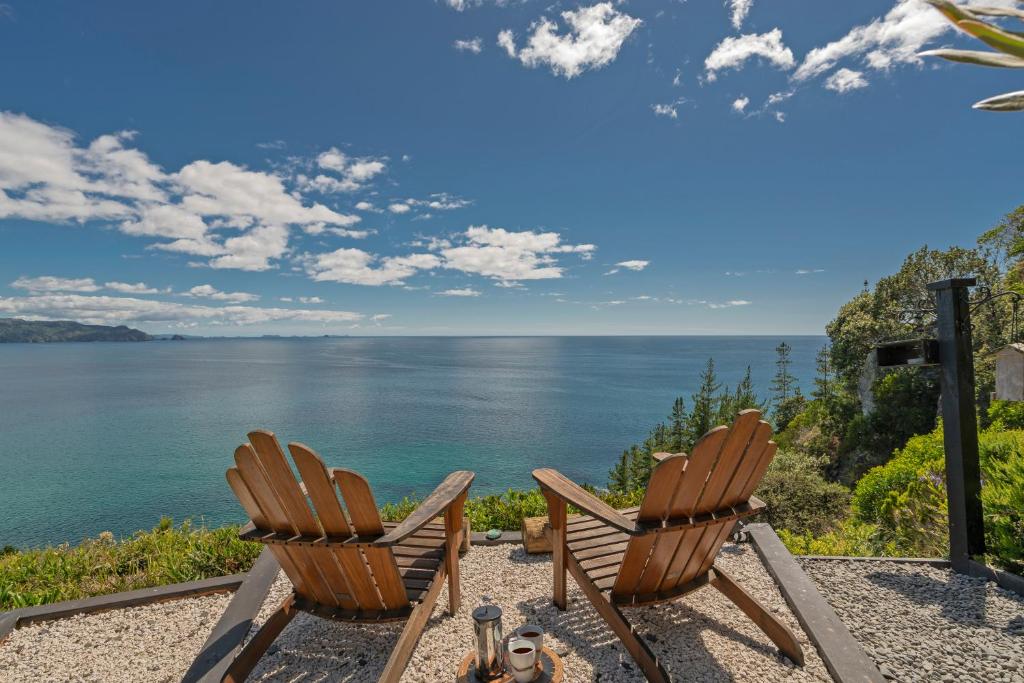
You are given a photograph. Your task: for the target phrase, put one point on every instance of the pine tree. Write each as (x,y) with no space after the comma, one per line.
(705,406)
(677,426)
(618,477)
(823,379)
(640,465)
(782,384)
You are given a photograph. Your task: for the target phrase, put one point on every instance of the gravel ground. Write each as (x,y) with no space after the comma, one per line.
(920,623)
(701,637)
(154,642)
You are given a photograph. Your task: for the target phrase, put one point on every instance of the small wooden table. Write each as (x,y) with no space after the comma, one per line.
(549,669)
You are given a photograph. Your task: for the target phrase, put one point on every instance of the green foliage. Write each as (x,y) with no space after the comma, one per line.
(850,539)
(799,498)
(38,331)
(1010,46)
(907,499)
(166,554)
(1006,414)
(705,409)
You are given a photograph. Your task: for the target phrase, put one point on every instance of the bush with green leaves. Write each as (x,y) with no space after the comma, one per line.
(799,498)
(906,498)
(166,554)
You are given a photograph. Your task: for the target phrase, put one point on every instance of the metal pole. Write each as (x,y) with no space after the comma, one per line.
(959,421)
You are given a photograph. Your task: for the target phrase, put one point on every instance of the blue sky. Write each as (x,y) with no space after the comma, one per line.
(460,167)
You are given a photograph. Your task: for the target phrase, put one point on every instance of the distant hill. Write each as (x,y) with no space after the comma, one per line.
(36,331)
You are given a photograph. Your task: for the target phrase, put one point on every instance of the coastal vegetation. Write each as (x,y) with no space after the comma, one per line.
(42,331)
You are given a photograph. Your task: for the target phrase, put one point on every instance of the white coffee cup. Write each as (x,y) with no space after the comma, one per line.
(533,633)
(522,659)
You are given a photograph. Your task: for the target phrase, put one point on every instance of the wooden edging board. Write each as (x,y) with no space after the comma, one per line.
(1006,580)
(843,655)
(58,610)
(225,640)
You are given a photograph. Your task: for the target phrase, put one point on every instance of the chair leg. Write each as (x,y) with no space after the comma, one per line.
(400,655)
(772,627)
(247,659)
(650,666)
(557,521)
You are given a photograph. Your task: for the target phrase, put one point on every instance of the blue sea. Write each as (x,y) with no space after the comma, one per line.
(111,436)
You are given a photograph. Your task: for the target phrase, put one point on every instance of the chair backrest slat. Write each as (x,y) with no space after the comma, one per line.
(361,593)
(723,470)
(366,519)
(310,583)
(283,482)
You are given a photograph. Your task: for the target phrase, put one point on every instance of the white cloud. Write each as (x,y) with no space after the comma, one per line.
(49,283)
(739,11)
(367,206)
(109,310)
(809,271)
(668,110)
(379,317)
(734,51)
(740,103)
(310,300)
(595,36)
(131,288)
(211,292)
(474,45)
(893,39)
(357,267)
(845,80)
(635,265)
(729,304)
(440,201)
(399,207)
(46,176)
(467,292)
(503,255)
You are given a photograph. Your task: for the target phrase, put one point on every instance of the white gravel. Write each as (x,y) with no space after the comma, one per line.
(701,637)
(155,642)
(921,623)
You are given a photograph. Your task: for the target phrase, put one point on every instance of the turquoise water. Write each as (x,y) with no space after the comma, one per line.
(109,436)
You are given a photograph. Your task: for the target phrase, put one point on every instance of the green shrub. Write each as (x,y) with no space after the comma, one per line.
(850,538)
(907,496)
(799,498)
(103,565)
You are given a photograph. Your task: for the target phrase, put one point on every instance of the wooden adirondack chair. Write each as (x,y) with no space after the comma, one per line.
(350,568)
(667,547)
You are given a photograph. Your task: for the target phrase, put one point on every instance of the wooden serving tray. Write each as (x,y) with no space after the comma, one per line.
(549,669)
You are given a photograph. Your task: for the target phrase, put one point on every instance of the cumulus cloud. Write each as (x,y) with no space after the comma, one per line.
(718,304)
(357,267)
(399,207)
(504,255)
(131,288)
(886,41)
(310,300)
(351,173)
(45,175)
(474,45)
(809,271)
(845,80)
(739,9)
(211,292)
(111,310)
(595,36)
(49,283)
(466,292)
(668,110)
(740,104)
(734,51)
(635,265)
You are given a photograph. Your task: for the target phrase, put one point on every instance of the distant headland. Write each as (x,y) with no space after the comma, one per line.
(43,331)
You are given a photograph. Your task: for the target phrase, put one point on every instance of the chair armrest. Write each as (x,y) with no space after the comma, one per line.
(455,485)
(661,456)
(553,482)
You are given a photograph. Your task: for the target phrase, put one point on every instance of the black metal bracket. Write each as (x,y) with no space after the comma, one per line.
(915,352)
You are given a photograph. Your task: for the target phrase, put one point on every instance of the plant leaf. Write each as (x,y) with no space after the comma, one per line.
(1011,101)
(998,12)
(994,36)
(977,57)
(954,13)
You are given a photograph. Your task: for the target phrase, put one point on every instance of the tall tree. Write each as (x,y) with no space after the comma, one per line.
(823,384)
(677,426)
(782,383)
(618,478)
(705,406)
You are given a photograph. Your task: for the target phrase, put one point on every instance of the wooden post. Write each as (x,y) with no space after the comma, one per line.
(959,421)
(452,526)
(557,519)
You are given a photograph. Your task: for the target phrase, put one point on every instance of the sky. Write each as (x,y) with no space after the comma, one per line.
(448,167)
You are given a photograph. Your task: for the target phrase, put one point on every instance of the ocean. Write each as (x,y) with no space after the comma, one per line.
(111,436)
